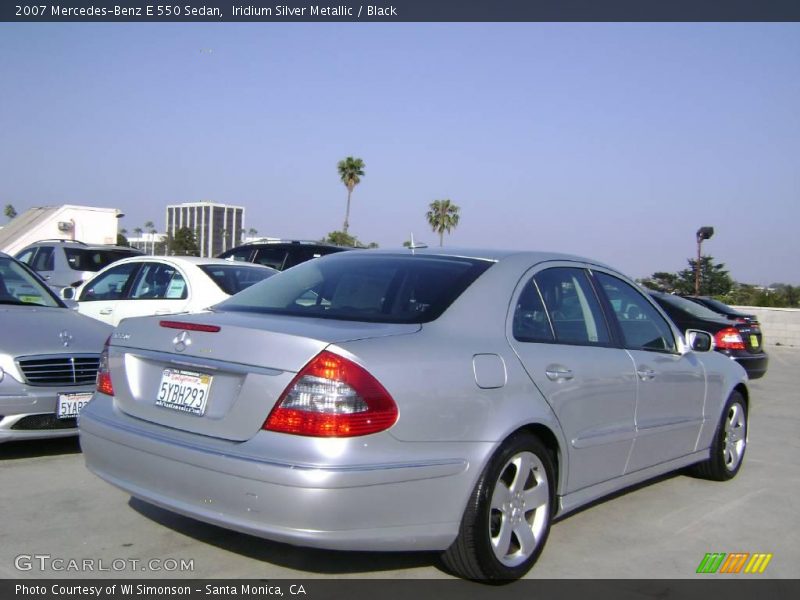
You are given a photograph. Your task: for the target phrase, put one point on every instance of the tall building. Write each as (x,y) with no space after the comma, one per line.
(216,227)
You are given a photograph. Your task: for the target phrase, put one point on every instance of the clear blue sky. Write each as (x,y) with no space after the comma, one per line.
(615,141)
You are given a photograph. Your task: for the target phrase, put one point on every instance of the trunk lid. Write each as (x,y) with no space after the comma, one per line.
(240,370)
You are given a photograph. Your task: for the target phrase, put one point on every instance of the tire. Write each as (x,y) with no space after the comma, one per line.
(507,519)
(729,444)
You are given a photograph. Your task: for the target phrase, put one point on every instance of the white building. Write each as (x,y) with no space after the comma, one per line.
(216,227)
(88,224)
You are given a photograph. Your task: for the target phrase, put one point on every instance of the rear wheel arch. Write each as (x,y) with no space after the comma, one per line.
(551,442)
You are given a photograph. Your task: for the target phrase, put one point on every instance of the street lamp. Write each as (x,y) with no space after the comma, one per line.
(703,233)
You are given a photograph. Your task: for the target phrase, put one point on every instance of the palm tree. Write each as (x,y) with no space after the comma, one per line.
(443,216)
(150,227)
(138,232)
(351,170)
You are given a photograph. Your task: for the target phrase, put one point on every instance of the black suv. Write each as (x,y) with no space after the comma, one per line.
(280,254)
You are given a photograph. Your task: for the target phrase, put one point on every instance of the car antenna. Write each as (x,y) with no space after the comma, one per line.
(414,245)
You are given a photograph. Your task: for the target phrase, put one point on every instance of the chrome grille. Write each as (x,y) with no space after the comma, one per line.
(79,369)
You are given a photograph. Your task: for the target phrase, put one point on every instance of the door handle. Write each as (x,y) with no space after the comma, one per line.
(558,373)
(106,311)
(646,374)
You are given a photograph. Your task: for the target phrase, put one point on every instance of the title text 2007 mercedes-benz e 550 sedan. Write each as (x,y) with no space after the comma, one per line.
(425,400)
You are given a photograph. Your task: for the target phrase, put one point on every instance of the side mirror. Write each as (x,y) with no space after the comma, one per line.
(699,341)
(68,293)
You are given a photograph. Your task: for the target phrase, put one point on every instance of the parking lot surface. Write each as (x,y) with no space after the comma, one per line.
(59,520)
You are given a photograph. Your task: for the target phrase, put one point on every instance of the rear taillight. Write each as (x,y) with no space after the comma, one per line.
(103,374)
(729,339)
(333,397)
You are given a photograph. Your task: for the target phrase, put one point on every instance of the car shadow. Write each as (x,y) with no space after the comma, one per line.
(35,448)
(313,560)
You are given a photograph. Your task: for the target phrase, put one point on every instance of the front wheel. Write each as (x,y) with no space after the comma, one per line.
(729,444)
(508,516)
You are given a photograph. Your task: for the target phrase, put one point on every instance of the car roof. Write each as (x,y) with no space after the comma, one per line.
(190,260)
(495,255)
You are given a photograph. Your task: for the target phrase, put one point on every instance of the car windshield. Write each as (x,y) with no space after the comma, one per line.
(374,288)
(234,278)
(694,309)
(88,259)
(19,286)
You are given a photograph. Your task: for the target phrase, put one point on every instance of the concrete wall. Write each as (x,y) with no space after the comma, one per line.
(780,326)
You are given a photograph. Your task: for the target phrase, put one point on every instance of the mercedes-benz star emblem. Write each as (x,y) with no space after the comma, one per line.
(181,341)
(66,337)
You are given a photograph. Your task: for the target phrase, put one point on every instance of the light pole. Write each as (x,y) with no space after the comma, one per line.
(703,233)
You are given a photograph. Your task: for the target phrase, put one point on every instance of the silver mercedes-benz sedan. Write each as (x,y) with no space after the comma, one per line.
(48,357)
(416,400)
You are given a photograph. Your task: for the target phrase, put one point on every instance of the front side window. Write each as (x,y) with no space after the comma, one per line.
(574,310)
(26,256)
(43,261)
(643,328)
(111,285)
(20,286)
(375,288)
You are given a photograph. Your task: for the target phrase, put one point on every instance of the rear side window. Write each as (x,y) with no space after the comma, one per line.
(85,259)
(572,305)
(111,285)
(240,255)
(643,328)
(382,289)
(271,257)
(232,279)
(531,323)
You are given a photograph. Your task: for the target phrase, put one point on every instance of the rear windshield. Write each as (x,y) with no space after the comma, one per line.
(86,259)
(234,278)
(358,287)
(720,307)
(694,309)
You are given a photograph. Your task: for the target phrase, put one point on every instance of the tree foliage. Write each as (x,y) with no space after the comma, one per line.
(443,216)
(10,211)
(715,281)
(183,243)
(351,170)
(344,239)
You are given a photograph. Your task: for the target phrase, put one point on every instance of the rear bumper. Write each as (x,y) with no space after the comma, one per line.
(409,503)
(755,365)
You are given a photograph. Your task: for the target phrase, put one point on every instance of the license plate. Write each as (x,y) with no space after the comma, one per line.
(754,341)
(185,391)
(70,404)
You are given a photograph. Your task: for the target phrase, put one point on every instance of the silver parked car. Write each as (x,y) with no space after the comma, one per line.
(48,357)
(452,401)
